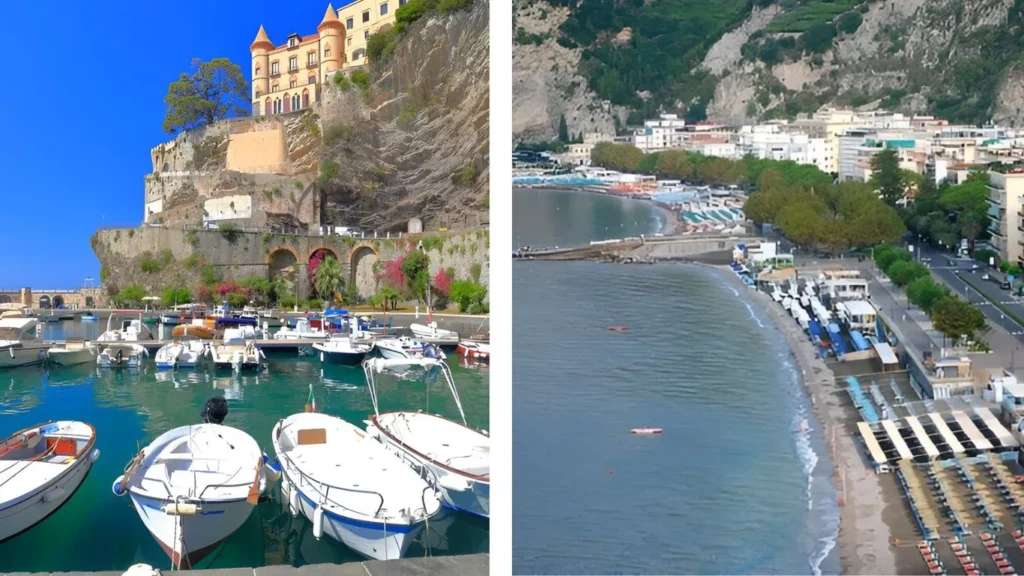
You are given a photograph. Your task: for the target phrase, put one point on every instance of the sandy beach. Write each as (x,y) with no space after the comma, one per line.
(872,503)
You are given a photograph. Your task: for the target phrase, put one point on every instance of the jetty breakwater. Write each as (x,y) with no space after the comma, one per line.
(708,249)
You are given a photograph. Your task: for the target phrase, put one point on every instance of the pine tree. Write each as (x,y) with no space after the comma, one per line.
(563,130)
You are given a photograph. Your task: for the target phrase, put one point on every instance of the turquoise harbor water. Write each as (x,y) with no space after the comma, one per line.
(96,530)
(730,487)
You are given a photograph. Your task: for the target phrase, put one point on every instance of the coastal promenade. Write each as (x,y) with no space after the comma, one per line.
(464,565)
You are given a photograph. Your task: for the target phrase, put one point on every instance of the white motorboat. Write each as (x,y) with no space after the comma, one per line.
(236,352)
(193,487)
(302,331)
(405,347)
(170,318)
(40,468)
(125,326)
(179,354)
(19,345)
(125,355)
(342,351)
(72,352)
(454,455)
(431,331)
(350,487)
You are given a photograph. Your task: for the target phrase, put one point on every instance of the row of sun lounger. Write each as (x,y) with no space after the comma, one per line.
(930,557)
(963,556)
(949,501)
(996,551)
(917,497)
(980,497)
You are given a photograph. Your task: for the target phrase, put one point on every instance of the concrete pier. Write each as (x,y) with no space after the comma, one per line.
(465,565)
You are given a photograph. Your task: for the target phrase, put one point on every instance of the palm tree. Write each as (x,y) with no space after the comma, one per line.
(328,279)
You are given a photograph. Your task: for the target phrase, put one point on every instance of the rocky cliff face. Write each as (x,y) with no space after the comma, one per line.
(546,83)
(416,145)
(747,61)
(412,144)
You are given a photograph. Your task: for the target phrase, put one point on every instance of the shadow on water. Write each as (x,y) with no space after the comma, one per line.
(99,531)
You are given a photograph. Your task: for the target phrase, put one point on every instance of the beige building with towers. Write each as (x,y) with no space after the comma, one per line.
(288,77)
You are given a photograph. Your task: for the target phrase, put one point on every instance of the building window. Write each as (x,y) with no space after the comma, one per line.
(327,52)
(292,42)
(312,79)
(349,40)
(366,34)
(266,107)
(293,83)
(274,88)
(305,98)
(257,70)
(312,58)
(273,68)
(402,2)
(366,17)
(384,9)
(258,94)
(287,103)
(293,64)
(255,109)
(295,102)
(358,54)
(349,24)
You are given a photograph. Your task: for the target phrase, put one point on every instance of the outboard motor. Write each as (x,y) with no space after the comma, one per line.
(215,410)
(431,351)
(120,356)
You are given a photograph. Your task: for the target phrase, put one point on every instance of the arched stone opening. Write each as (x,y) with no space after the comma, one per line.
(44,302)
(58,301)
(361,274)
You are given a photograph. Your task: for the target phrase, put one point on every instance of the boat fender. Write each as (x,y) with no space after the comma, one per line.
(141,570)
(318,522)
(118,488)
(293,501)
(94,455)
(271,470)
(179,509)
(52,495)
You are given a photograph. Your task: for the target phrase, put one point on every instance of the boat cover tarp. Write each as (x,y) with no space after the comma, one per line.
(859,341)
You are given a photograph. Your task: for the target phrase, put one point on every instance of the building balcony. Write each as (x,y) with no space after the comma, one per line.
(275,74)
(293,69)
(311,64)
(997,232)
(998,200)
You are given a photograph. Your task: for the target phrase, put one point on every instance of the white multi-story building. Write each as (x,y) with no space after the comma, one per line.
(579,154)
(662,134)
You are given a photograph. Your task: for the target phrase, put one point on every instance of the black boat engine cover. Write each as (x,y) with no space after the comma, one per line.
(215,410)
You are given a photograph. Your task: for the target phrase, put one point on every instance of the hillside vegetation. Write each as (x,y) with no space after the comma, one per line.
(777,58)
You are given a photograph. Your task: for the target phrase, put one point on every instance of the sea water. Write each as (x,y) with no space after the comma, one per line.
(96,530)
(731,486)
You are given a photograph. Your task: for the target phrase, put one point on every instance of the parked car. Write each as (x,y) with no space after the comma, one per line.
(1005,285)
(952,262)
(986,277)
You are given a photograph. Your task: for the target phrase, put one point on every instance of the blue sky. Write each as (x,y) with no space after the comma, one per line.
(75,139)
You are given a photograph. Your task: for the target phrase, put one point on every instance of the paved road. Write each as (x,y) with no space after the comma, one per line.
(953,276)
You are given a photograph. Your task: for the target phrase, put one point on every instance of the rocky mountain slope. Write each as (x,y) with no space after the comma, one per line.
(741,60)
(416,144)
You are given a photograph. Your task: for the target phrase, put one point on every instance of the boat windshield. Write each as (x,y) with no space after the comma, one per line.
(12,334)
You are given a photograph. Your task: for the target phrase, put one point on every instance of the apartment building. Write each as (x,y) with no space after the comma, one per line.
(1005,219)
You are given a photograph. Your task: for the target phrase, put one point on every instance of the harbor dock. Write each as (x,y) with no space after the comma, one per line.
(464,565)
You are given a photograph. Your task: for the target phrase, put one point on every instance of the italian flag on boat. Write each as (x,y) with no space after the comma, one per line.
(311,401)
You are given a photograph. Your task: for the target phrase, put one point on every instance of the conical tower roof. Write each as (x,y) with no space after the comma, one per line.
(261,40)
(330,19)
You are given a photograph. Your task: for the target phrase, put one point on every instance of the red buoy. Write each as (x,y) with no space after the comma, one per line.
(618,328)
